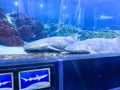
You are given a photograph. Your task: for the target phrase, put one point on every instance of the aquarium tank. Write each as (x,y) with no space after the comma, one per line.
(26,21)
(65,44)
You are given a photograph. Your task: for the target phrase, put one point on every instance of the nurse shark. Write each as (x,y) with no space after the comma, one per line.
(57,43)
(95,45)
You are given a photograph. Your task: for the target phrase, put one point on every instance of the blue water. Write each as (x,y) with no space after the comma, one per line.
(88,15)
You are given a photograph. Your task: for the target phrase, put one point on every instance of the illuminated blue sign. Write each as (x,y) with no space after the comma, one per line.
(34,79)
(6,81)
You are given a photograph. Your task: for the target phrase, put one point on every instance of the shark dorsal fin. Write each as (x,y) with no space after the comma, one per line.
(74,36)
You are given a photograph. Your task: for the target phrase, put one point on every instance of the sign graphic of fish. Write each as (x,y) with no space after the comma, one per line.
(34,79)
(6,81)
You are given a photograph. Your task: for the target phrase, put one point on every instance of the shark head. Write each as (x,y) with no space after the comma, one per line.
(34,46)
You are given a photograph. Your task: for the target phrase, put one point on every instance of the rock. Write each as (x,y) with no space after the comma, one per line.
(28,27)
(16,28)
(20,19)
(8,35)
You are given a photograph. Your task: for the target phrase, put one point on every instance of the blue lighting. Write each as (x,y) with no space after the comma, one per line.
(16,3)
(41,5)
(64,7)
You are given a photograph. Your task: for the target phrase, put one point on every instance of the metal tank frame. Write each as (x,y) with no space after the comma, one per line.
(71,72)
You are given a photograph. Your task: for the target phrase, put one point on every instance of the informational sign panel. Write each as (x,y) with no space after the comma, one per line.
(34,79)
(6,81)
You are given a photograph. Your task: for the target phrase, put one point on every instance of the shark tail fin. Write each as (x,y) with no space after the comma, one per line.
(75,36)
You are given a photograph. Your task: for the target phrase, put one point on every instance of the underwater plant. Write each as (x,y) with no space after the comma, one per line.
(85,34)
(66,30)
(60,29)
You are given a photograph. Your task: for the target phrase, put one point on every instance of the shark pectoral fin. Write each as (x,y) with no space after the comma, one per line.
(53,48)
(90,50)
